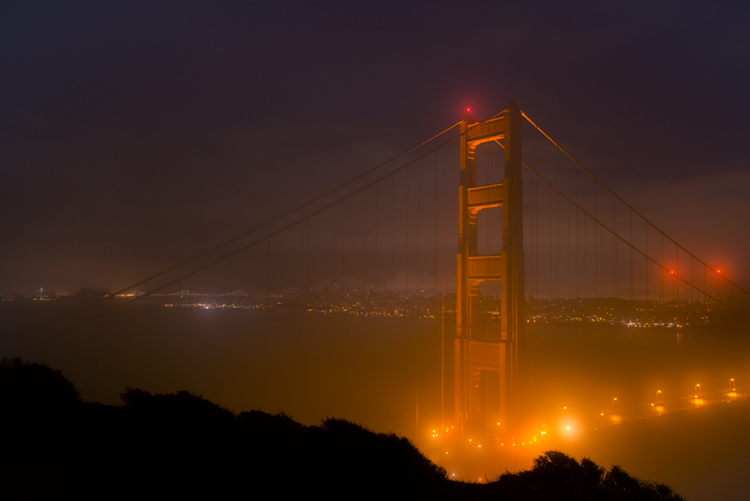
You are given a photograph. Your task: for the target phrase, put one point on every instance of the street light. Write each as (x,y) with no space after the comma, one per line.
(697,389)
(731,381)
(659,396)
(614,401)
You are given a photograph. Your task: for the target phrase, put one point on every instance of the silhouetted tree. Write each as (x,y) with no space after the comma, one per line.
(590,474)
(554,475)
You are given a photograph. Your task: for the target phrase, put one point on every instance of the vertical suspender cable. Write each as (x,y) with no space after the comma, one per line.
(419,232)
(364,244)
(377,232)
(268,269)
(267,309)
(567,245)
(646,261)
(435,204)
(614,252)
(675,283)
(393,231)
(585,257)
(661,273)
(550,241)
(691,280)
(539,216)
(419,248)
(557,225)
(596,245)
(630,239)
(342,281)
(442,308)
(406,286)
(578,275)
(336,260)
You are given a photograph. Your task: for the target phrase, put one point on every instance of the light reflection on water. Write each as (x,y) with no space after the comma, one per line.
(377,371)
(385,372)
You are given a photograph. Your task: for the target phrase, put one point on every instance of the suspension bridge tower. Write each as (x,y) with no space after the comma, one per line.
(485,367)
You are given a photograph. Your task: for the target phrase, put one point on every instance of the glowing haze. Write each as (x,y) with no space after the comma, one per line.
(134,135)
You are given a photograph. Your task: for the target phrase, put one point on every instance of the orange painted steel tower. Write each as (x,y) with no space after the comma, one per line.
(485,368)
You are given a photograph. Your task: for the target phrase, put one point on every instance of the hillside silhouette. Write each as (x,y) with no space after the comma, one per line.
(182,445)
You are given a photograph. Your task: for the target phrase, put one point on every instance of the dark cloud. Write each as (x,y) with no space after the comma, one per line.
(166,127)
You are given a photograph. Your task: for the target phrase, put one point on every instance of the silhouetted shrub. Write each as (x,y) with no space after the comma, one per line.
(22,381)
(555,475)
(269,425)
(180,445)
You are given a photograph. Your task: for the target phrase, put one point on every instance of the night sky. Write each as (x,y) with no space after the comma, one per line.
(133,134)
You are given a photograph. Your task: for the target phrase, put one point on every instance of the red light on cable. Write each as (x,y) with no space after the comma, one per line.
(671,271)
(468,110)
(718,271)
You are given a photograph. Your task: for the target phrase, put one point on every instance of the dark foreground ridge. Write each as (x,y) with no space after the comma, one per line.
(181,445)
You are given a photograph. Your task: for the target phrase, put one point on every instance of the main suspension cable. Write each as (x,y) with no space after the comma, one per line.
(630,206)
(245,247)
(247,233)
(604,226)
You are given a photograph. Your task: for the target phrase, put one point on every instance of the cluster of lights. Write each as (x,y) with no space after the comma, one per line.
(568,429)
(697,391)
